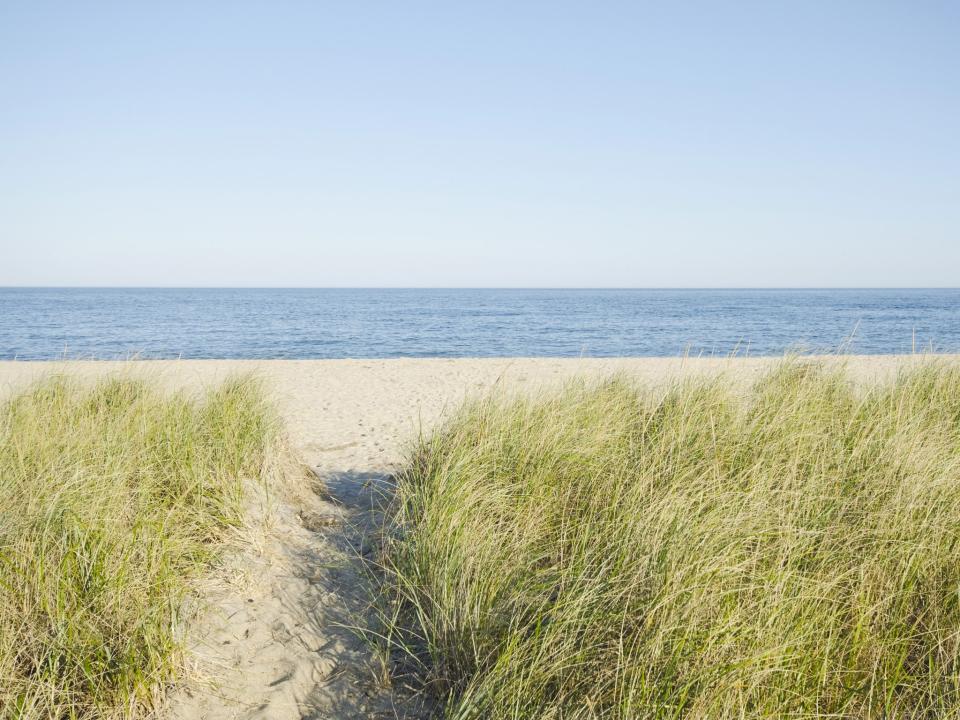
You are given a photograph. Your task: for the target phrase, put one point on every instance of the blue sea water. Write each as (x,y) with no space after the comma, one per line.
(49,323)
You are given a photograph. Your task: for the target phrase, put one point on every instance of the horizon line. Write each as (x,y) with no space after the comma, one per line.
(481,287)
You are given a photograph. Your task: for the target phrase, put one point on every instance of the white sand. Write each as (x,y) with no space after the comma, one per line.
(273,644)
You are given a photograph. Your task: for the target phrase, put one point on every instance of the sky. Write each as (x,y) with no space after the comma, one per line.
(494,144)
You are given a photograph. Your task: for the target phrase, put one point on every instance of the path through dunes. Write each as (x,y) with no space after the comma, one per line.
(280,640)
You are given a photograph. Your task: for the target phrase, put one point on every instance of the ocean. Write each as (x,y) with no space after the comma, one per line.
(84,323)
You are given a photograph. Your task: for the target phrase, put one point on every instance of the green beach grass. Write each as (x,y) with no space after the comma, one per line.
(698,552)
(114,500)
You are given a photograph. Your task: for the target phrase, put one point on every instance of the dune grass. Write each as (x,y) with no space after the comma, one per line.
(113,502)
(616,552)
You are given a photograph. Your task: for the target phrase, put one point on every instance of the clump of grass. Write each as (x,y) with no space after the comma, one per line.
(112,501)
(615,552)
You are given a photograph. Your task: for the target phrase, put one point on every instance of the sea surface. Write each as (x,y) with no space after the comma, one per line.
(53,323)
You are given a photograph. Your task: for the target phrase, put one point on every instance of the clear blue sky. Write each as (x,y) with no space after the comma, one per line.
(480,144)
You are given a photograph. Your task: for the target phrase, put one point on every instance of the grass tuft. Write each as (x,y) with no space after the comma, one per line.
(615,552)
(113,500)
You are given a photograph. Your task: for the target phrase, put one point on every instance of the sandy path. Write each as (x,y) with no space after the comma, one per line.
(273,644)
(276,640)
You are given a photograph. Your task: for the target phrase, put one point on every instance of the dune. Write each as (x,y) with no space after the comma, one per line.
(358,414)
(277,639)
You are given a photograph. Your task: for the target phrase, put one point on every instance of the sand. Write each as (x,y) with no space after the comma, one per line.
(275,639)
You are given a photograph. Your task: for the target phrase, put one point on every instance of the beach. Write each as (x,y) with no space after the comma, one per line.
(468,362)
(361,414)
(273,643)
